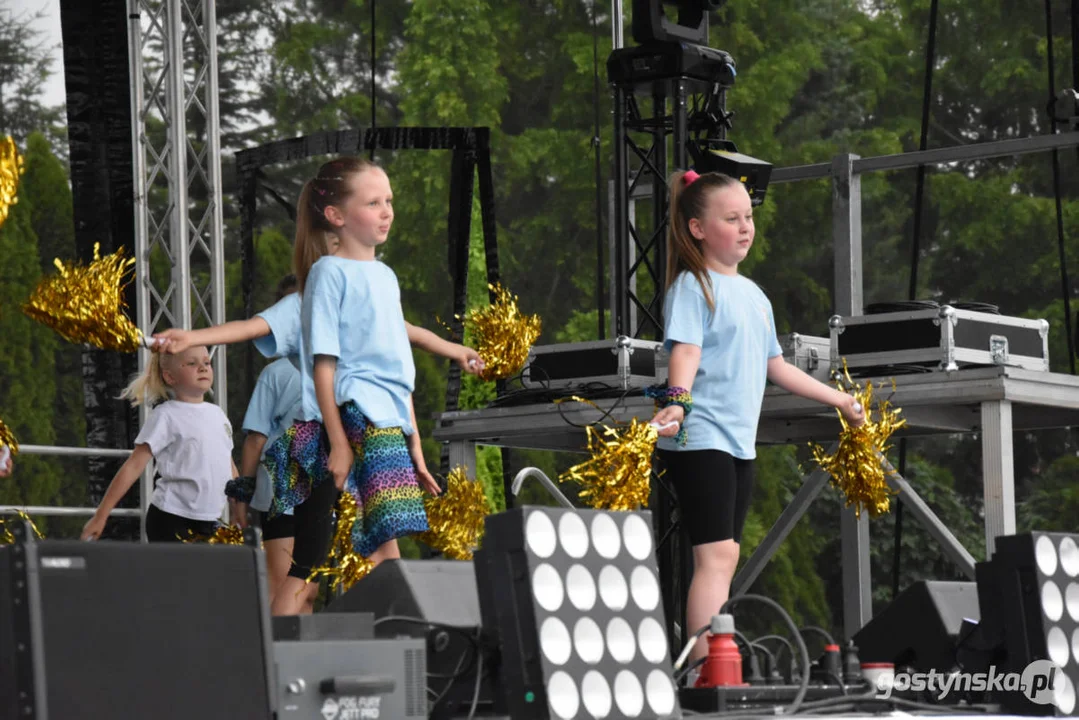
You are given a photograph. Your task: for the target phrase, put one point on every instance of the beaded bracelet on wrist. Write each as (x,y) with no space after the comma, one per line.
(665,396)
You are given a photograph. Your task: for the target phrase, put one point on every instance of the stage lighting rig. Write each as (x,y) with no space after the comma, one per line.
(717,155)
(575,598)
(650,23)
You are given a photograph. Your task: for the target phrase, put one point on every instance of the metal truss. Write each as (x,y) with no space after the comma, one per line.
(179,232)
(179,226)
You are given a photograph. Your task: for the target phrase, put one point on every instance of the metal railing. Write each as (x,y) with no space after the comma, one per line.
(62,451)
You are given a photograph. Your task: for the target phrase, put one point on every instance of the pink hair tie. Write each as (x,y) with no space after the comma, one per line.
(690,177)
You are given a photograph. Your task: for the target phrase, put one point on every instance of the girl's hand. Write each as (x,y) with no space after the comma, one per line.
(469,360)
(340,463)
(852,410)
(172,341)
(427,482)
(94,527)
(237,513)
(671,413)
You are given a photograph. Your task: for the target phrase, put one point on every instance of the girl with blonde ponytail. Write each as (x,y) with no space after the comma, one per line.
(721,334)
(190,441)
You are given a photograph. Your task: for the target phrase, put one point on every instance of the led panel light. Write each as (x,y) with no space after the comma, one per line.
(1029,591)
(575,597)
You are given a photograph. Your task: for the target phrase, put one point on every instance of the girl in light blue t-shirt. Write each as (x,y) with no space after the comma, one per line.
(357,430)
(722,338)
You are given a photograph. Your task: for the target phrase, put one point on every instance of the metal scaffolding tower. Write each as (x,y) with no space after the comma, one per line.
(179,228)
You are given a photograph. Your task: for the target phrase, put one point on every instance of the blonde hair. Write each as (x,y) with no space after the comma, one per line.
(149,387)
(328,188)
(684,250)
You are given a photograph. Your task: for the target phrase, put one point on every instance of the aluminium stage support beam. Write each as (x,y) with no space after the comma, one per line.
(179,225)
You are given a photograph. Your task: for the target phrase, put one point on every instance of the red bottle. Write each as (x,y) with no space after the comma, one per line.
(723,666)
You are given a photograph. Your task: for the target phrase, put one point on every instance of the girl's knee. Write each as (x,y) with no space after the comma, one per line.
(722,555)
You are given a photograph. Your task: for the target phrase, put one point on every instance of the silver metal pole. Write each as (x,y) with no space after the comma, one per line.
(217,223)
(141,201)
(61,451)
(64,511)
(616,24)
(177,133)
(847,243)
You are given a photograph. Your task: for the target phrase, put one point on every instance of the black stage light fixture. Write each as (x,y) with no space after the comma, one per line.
(715,155)
(650,23)
(574,596)
(1029,596)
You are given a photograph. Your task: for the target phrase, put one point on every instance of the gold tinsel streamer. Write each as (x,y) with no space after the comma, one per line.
(85,304)
(502,336)
(8,438)
(8,538)
(618,475)
(344,564)
(223,535)
(855,466)
(456,517)
(10,169)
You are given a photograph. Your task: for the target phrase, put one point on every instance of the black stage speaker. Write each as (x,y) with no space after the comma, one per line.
(439,602)
(123,630)
(919,629)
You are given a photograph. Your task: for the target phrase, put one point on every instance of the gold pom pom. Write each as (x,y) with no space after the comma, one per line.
(855,466)
(344,564)
(11,168)
(618,475)
(502,336)
(85,303)
(8,438)
(8,538)
(456,517)
(222,535)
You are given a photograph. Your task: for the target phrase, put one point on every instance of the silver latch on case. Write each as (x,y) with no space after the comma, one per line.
(998,349)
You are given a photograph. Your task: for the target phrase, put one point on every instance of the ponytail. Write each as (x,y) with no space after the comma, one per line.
(688,201)
(149,387)
(311,228)
(329,187)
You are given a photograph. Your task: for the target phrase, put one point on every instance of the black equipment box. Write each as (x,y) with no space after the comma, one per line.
(125,630)
(945,338)
(619,363)
(325,626)
(351,679)
(757,699)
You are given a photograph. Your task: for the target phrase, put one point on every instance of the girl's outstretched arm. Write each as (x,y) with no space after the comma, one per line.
(177,340)
(467,358)
(127,475)
(793,380)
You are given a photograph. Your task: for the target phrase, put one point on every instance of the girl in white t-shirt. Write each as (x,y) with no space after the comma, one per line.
(189,439)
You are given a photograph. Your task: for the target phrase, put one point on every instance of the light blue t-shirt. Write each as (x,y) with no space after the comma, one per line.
(351,310)
(736,342)
(284,320)
(273,407)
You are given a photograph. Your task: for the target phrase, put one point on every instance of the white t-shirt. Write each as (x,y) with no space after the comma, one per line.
(192,447)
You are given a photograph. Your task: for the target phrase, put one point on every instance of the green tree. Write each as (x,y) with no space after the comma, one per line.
(27,364)
(45,189)
(25,65)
